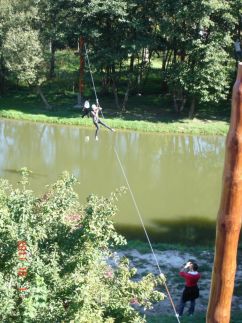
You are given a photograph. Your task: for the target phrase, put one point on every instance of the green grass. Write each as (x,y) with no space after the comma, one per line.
(196,318)
(25,106)
(143,247)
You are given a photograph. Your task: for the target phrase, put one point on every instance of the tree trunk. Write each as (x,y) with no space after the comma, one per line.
(144,69)
(41,94)
(184,100)
(140,71)
(106,81)
(2,76)
(165,59)
(115,93)
(126,96)
(52,60)
(179,100)
(131,64)
(82,67)
(229,216)
(114,86)
(147,70)
(192,108)
(165,63)
(175,102)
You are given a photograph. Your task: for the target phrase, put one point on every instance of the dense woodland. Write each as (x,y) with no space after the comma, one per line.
(192,41)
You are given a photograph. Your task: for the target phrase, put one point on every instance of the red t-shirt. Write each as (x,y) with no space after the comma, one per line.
(191,279)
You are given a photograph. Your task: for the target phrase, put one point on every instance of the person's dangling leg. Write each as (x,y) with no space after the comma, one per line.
(97,129)
(104,124)
(192,307)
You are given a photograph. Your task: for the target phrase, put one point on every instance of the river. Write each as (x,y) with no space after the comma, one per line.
(175,179)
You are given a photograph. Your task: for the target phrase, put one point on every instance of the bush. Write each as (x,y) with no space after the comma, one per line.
(56,259)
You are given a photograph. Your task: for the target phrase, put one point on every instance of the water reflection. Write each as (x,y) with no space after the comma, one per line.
(174,178)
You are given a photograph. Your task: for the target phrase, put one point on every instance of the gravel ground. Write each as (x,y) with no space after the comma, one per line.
(170,263)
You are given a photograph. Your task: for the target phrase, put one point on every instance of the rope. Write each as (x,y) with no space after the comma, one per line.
(147,236)
(90,71)
(134,201)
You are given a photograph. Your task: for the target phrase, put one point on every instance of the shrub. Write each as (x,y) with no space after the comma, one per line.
(61,254)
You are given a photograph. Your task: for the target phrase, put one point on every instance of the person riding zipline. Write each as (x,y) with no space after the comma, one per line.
(96,120)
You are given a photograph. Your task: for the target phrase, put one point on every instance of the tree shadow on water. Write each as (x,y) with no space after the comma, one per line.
(189,231)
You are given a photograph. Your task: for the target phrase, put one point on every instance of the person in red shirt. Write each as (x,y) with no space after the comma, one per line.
(191,291)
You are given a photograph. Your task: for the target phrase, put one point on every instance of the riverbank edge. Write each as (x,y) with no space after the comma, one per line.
(182,126)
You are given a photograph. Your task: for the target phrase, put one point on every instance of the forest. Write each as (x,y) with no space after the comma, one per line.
(189,43)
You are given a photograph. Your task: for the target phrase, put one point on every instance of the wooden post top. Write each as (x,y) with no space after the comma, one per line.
(239,74)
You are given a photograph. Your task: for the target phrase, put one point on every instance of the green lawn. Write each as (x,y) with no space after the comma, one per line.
(196,318)
(140,116)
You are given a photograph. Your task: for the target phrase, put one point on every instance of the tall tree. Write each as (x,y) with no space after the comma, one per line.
(96,20)
(132,26)
(52,30)
(23,55)
(198,37)
(5,14)
(22,50)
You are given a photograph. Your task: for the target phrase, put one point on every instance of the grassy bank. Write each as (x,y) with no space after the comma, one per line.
(143,247)
(198,318)
(196,249)
(139,117)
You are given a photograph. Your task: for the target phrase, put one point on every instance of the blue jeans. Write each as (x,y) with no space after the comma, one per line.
(182,305)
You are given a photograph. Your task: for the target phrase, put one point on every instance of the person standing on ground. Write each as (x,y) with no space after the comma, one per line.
(96,120)
(191,291)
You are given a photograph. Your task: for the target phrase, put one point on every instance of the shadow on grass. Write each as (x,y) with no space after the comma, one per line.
(151,108)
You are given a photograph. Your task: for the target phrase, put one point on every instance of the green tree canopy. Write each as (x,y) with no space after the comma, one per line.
(192,39)
(72,271)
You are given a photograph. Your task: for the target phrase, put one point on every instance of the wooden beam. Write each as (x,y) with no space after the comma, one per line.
(82,66)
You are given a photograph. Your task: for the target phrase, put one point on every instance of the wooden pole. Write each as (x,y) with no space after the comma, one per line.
(80,53)
(229,216)
(82,66)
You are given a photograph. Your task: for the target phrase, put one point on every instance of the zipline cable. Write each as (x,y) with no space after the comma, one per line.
(147,236)
(133,198)
(90,71)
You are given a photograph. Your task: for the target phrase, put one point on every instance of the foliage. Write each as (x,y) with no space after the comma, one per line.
(192,40)
(23,54)
(72,274)
(201,42)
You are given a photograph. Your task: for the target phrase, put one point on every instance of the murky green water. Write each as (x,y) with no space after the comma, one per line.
(176,180)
